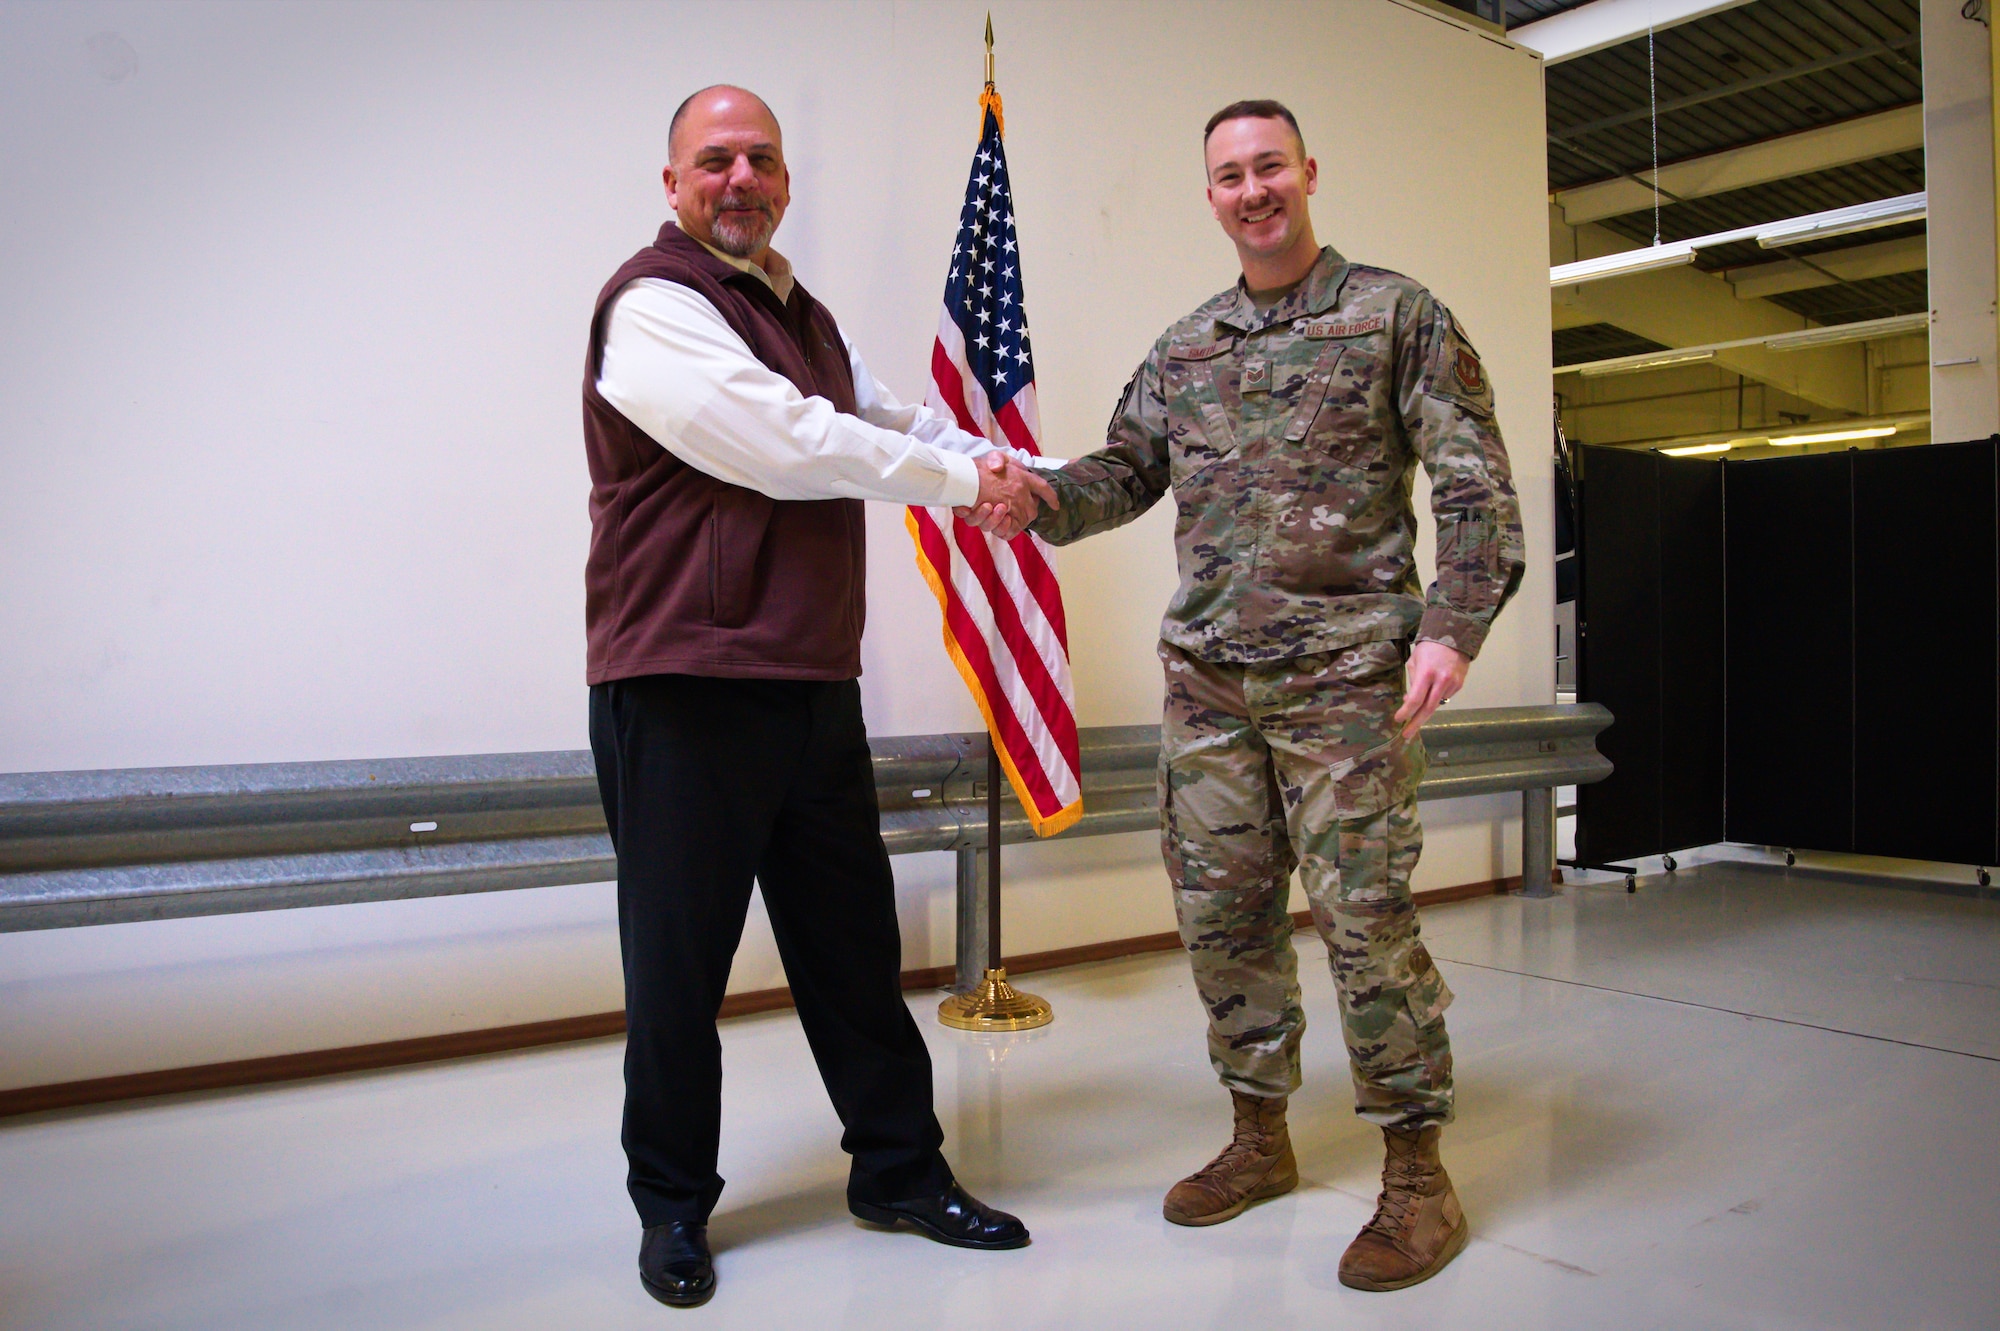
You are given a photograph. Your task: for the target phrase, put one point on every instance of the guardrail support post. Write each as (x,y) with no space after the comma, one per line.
(1538,841)
(974,887)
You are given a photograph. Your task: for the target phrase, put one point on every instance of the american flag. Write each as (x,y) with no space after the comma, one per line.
(1003,610)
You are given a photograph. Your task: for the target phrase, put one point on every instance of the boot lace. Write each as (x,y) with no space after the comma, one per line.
(1403,1177)
(1243,1149)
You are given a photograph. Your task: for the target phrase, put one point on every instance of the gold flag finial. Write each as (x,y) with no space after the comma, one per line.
(991,96)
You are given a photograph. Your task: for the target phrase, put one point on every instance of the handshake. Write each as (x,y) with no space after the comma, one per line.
(1011,496)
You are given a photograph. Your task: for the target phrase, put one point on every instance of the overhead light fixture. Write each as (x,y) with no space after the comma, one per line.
(1833,437)
(1694,450)
(1770,235)
(1652,360)
(1623,264)
(1846,221)
(1715,440)
(1835,334)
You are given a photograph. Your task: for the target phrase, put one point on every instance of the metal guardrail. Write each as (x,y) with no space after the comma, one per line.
(105,847)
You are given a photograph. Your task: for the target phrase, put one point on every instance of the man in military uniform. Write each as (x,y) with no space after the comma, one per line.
(1287,415)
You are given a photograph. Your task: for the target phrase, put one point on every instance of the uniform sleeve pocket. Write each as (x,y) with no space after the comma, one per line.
(1468,561)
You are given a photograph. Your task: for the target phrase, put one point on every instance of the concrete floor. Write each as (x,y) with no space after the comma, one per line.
(1736,1099)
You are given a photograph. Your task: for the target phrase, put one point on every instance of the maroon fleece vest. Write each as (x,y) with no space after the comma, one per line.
(692,575)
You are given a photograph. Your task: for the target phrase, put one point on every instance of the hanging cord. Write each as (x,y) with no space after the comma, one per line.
(1653,97)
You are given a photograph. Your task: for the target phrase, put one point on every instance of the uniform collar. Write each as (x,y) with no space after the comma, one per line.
(1314,295)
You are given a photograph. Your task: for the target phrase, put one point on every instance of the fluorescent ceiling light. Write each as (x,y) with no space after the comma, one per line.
(1623,264)
(1741,439)
(1835,334)
(1694,449)
(1845,221)
(1832,335)
(1791,230)
(1834,437)
(1652,360)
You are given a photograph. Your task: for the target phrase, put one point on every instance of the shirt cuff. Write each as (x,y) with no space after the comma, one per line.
(961,481)
(1461,633)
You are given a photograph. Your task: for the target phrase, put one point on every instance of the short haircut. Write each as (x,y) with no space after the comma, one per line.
(1258,108)
(680,112)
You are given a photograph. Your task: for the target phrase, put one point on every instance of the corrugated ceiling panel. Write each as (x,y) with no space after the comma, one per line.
(1575,346)
(1734,46)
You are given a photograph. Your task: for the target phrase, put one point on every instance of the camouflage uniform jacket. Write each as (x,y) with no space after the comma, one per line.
(1290,438)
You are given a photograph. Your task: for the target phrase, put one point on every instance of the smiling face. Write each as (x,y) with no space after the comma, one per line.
(1259,178)
(726,178)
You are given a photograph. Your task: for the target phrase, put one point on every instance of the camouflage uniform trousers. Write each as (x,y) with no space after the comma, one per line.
(1298,763)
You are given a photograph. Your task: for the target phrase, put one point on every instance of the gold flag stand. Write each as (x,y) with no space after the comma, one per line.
(993,1004)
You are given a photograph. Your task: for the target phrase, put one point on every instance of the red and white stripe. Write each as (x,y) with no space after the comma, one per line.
(1003,610)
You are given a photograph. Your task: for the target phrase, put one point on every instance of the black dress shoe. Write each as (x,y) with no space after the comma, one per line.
(953,1216)
(674,1264)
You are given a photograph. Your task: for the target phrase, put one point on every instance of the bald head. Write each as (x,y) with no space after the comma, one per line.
(726,176)
(724,102)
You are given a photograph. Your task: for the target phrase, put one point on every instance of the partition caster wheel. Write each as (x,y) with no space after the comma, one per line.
(1669,863)
(1631,882)
(1985,878)
(1790,859)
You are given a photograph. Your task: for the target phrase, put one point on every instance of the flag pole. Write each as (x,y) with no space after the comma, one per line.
(993,780)
(994,1004)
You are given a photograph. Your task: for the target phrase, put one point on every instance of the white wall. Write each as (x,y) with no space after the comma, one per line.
(294,300)
(1958,173)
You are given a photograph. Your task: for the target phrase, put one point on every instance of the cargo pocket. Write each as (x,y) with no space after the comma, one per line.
(1427,995)
(1377,779)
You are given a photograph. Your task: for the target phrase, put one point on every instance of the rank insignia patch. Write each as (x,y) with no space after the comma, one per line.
(1256,376)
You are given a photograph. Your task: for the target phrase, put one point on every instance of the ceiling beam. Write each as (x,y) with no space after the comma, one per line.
(1861,139)
(1604,23)
(1882,259)
(1684,307)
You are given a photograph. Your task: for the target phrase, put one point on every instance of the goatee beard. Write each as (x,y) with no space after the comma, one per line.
(741,239)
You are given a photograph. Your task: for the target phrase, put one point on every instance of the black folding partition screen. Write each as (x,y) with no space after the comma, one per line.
(1650,648)
(1790,715)
(1800,652)
(1927,653)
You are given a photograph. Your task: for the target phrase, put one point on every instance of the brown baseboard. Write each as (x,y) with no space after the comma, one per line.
(563,1030)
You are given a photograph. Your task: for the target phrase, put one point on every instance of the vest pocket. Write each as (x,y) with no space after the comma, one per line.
(736,525)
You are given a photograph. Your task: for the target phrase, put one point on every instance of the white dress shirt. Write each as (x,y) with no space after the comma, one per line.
(676,369)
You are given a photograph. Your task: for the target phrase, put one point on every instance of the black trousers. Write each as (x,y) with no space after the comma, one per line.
(707,785)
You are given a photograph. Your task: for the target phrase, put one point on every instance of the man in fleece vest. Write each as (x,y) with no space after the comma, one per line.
(732,433)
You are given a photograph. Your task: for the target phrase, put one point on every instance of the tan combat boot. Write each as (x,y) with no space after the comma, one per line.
(1256,1164)
(1418,1225)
